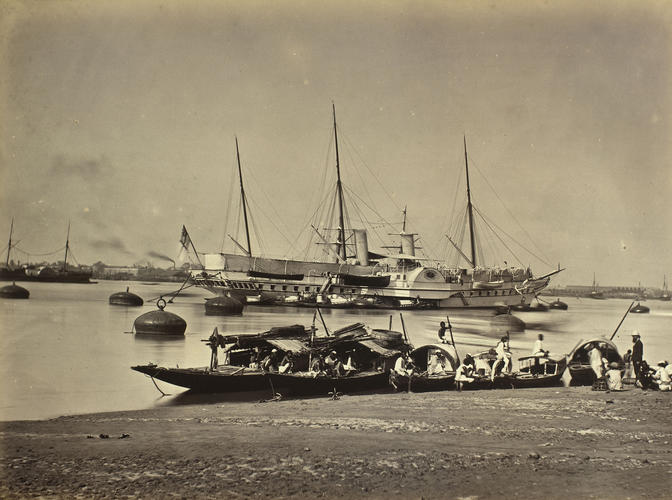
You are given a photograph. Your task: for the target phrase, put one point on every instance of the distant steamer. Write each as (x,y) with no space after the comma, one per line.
(43,273)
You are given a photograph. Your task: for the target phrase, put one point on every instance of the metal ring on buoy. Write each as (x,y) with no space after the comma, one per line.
(161,303)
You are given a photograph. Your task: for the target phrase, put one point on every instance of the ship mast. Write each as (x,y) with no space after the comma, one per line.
(9,245)
(469,208)
(67,247)
(339,189)
(244,201)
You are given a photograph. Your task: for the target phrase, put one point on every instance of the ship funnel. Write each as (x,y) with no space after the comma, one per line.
(361,246)
(407,243)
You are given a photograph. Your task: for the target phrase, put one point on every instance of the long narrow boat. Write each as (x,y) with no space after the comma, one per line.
(423,358)
(205,379)
(371,351)
(539,371)
(579,360)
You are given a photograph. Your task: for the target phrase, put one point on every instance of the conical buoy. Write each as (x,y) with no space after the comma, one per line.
(223,306)
(503,323)
(159,322)
(639,308)
(558,304)
(126,299)
(14,291)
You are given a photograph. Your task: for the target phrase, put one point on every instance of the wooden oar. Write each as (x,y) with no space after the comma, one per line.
(326,330)
(403,326)
(622,319)
(450,329)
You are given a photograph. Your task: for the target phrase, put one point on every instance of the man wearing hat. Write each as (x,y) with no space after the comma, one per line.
(637,354)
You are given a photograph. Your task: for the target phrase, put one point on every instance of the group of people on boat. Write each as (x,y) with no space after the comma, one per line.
(331,365)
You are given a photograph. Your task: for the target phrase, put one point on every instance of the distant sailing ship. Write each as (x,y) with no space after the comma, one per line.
(665,295)
(364,278)
(595,293)
(43,273)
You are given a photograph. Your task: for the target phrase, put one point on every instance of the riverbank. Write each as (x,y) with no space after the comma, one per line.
(534,443)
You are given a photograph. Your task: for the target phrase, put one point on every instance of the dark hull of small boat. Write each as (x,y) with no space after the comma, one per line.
(60,277)
(426,384)
(125,299)
(203,380)
(639,310)
(581,374)
(307,385)
(372,281)
(290,277)
(558,305)
(14,292)
(500,382)
(524,379)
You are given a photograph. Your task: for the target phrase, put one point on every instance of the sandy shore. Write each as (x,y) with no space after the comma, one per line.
(531,443)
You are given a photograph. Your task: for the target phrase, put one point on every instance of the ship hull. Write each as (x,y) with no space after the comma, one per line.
(440,295)
(60,277)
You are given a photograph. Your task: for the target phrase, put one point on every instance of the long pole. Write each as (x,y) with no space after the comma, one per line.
(244,201)
(9,245)
(469,208)
(339,189)
(622,319)
(450,329)
(326,330)
(403,326)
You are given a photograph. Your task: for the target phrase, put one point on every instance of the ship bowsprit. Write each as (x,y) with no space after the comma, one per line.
(14,291)
(160,322)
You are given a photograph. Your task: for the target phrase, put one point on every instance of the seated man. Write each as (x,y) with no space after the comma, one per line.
(613,376)
(662,377)
(333,365)
(437,364)
(402,366)
(287,363)
(349,367)
(464,374)
(270,362)
(317,367)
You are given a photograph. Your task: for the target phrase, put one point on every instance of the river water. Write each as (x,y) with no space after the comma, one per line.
(66,350)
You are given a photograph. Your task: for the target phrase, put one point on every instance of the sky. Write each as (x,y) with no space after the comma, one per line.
(120,119)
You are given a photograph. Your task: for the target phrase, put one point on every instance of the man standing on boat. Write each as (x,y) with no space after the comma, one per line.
(538,349)
(503,356)
(637,355)
(442,332)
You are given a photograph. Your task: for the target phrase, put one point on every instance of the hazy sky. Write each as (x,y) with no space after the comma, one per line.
(121,117)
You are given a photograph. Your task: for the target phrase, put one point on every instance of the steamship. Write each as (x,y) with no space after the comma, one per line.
(356,276)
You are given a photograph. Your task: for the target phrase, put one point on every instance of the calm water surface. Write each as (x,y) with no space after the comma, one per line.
(67,351)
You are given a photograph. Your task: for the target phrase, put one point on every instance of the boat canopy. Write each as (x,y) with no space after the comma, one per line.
(382,351)
(296,346)
(422,354)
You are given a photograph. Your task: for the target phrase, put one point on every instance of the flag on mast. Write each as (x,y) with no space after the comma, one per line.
(185,240)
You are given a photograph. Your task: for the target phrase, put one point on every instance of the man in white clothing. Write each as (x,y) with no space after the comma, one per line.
(503,357)
(662,377)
